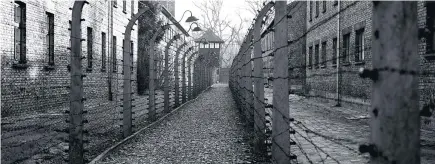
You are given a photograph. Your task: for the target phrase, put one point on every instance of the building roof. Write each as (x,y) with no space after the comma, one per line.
(210,37)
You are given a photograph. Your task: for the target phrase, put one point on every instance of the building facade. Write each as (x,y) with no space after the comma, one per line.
(35,51)
(297,27)
(348,34)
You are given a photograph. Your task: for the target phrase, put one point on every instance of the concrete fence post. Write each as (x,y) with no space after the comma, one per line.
(166,74)
(247,69)
(189,76)
(127,58)
(183,76)
(176,74)
(152,69)
(280,122)
(75,153)
(395,120)
(259,113)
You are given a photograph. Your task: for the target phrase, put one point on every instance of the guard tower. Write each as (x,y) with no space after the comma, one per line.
(209,48)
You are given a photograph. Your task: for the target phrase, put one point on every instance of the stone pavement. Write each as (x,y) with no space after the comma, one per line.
(207,130)
(327,134)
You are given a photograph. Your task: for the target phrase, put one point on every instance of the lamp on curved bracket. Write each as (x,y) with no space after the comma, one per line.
(196,29)
(189,19)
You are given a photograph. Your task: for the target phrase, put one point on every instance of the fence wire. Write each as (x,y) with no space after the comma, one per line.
(38,130)
(312,139)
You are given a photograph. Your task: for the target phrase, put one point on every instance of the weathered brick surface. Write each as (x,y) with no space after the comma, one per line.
(41,96)
(353,88)
(324,28)
(297,27)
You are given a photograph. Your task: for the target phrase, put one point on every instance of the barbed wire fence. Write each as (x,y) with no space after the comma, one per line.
(259,83)
(75,119)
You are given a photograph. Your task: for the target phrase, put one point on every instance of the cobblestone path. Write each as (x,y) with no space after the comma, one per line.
(208,130)
(327,134)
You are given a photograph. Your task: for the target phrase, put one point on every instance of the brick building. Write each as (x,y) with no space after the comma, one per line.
(353,28)
(35,55)
(297,27)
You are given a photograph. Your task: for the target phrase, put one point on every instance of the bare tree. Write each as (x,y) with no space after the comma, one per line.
(253,6)
(230,31)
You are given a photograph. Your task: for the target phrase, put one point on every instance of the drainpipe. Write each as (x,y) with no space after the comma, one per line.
(338,56)
(110,49)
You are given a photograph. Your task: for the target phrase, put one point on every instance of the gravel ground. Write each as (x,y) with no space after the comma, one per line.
(207,130)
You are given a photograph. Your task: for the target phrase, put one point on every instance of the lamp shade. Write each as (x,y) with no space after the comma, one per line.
(191,19)
(197,29)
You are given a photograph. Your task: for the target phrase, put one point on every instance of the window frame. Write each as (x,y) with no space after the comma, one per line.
(50,38)
(324,44)
(317,8)
(310,57)
(346,49)
(324,7)
(114,56)
(124,6)
(311,11)
(103,52)
(21,57)
(90,46)
(316,55)
(359,45)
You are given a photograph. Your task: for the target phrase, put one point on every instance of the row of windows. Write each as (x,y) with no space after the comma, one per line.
(317,3)
(124,6)
(209,45)
(20,40)
(319,58)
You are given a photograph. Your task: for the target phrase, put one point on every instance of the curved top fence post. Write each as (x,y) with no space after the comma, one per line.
(259,113)
(127,103)
(76,155)
(177,77)
(183,75)
(166,73)
(152,69)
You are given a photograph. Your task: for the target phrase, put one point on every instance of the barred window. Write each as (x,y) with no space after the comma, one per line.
(323,54)
(103,51)
(316,51)
(311,10)
(345,50)
(50,38)
(124,6)
(317,8)
(359,45)
(20,33)
(90,46)
(324,6)
(310,56)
